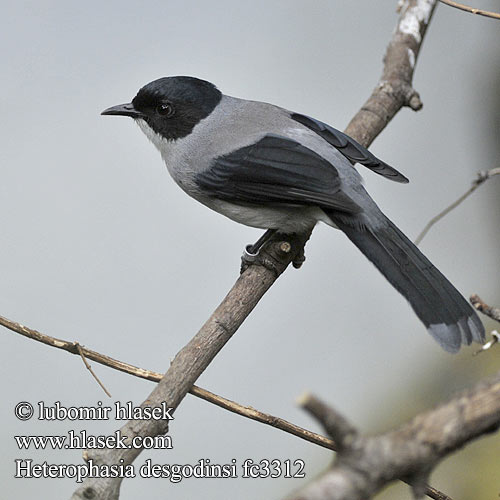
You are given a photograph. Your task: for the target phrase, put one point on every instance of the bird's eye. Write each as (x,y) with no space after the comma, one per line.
(165,109)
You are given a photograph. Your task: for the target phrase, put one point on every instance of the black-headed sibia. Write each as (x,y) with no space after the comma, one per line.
(267,167)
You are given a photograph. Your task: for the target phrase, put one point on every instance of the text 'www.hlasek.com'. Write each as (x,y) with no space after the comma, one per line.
(81,440)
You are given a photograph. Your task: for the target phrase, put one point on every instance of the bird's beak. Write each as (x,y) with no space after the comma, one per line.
(123,110)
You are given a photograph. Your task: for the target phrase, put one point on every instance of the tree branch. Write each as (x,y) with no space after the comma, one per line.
(191,360)
(394,89)
(480,179)
(471,10)
(366,464)
(227,404)
(89,368)
(492,312)
(337,427)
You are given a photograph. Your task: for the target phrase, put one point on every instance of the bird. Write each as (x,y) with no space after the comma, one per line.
(267,167)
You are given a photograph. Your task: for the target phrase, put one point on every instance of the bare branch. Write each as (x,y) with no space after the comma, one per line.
(471,10)
(495,338)
(264,418)
(436,494)
(89,368)
(394,89)
(492,312)
(367,464)
(227,404)
(480,179)
(72,348)
(337,427)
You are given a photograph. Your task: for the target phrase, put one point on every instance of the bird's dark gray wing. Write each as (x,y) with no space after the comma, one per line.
(274,170)
(351,149)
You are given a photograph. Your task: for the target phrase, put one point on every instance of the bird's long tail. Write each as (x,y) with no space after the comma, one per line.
(449,318)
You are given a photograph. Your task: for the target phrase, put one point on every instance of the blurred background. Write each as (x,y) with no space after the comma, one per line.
(101,247)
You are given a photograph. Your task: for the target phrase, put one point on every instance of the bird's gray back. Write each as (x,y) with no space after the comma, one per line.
(236,123)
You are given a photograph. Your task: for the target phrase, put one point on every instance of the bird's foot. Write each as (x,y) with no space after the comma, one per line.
(299,259)
(261,258)
(253,255)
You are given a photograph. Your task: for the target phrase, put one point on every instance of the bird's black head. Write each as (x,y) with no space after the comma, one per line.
(171,106)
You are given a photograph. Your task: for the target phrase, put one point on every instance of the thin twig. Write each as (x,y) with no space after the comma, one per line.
(227,404)
(436,494)
(495,338)
(492,312)
(481,178)
(89,368)
(471,10)
(264,418)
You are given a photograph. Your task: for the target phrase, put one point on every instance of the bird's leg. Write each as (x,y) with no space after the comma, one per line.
(299,258)
(251,252)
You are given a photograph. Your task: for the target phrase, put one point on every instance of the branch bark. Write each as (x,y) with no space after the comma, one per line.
(365,465)
(492,312)
(394,89)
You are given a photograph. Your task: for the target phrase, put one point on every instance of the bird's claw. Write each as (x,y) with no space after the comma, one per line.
(299,259)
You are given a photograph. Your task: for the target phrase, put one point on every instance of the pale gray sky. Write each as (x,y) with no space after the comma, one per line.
(99,245)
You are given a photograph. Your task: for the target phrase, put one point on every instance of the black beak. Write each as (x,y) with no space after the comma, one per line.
(123,110)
